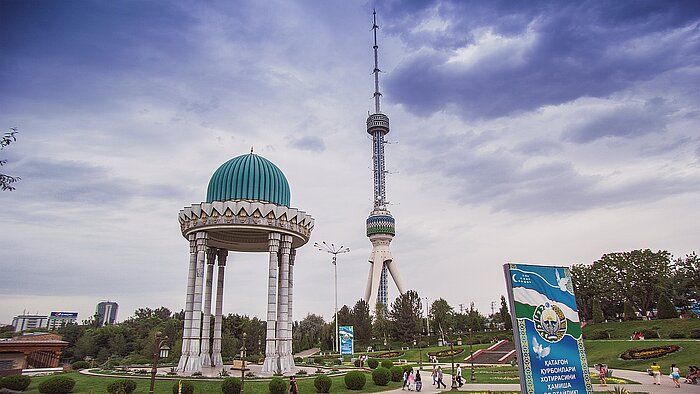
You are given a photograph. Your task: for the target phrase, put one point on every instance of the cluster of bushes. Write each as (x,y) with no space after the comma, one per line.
(78,365)
(695,333)
(15,382)
(57,385)
(373,363)
(396,373)
(387,364)
(231,386)
(277,386)
(124,386)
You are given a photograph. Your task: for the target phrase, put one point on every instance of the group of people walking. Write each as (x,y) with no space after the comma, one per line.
(412,381)
(674,373)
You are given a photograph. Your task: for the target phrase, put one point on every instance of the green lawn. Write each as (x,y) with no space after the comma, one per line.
(608,352)
(623,330)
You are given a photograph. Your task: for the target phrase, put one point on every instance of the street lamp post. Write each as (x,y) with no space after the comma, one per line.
(324,247)
(160,350)
(471,356)
(453,387)
(243,355)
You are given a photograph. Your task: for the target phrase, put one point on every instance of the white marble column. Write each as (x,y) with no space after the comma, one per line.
(290,318)
(284,348)
(191,275)
(218,317)
(271,364)
(194,363)
(206,327)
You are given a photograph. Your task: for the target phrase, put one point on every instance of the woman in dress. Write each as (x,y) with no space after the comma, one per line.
(676,375)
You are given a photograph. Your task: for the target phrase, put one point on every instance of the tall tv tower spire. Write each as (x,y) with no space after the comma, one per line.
(380,223)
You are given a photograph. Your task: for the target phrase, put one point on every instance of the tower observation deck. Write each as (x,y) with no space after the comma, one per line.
(380,223)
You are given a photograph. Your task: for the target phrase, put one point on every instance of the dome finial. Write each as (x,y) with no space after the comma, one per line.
(251,149)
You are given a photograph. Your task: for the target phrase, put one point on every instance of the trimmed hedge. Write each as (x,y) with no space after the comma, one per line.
(231,386)
(78,365)
(15,382)
(381,376)
(387,364)
(323,384)
(396,373)
(676,334)
(124,386)
(277,386)
(57,385)
(355,380)
(598,335)
(373,363)
(187,387)
(357,362)
(695,333)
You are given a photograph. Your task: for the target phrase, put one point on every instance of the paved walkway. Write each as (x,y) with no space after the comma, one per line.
(646,384)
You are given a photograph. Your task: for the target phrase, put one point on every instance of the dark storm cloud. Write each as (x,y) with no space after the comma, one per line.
(579,49)
(625,122)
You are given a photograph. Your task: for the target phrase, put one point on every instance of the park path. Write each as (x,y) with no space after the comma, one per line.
(646,385)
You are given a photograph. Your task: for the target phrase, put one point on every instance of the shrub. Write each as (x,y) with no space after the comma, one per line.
(381,376)
(676,334)
(373,363)
(302,372)
(357,362)
(665,308)
(124,386)
(277,386)
(322,384)
(355,380)
(187,387)
(396,373)
(298,360)
(337,361)
(15,382)
(318,360)
(628,312)
(598,335)
(57,385)
(78,365)
(387,364)
(695,333)
(231,386)
(650,334)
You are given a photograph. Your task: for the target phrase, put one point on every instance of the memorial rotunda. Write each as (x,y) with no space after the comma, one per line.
(247,210)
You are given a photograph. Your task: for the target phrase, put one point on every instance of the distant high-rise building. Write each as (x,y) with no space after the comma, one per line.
(106,313)
(28,322)
(61,319)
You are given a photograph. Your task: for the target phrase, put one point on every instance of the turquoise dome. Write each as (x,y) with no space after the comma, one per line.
(249,177)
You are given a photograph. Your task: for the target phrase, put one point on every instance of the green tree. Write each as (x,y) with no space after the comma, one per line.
(361,321)
(505,316)
(629,312)
(381,325)
(665,308)
(442,315)
(6,181)
(405,315)
(597,312)
(685,280)
(308,332)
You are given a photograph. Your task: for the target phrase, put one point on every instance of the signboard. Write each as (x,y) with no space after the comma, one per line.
(73,315)
(347,345)
(547,331)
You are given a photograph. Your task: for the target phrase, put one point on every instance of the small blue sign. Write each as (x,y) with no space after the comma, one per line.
(347,345)
(547,331)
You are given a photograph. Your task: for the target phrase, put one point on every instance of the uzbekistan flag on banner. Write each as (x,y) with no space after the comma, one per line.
(547,330)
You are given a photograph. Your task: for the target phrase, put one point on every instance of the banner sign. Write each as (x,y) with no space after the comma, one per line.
(73,315)
(347,345)
(547,331)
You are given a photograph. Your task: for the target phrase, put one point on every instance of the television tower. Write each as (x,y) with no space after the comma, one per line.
(380,223)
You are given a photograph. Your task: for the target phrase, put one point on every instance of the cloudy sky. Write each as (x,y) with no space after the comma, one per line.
(540,132)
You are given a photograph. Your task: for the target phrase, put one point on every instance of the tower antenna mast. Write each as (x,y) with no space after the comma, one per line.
(376,71)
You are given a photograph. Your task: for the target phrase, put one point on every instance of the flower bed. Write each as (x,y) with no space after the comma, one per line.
(446,352)
(390,355)
(648,353)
